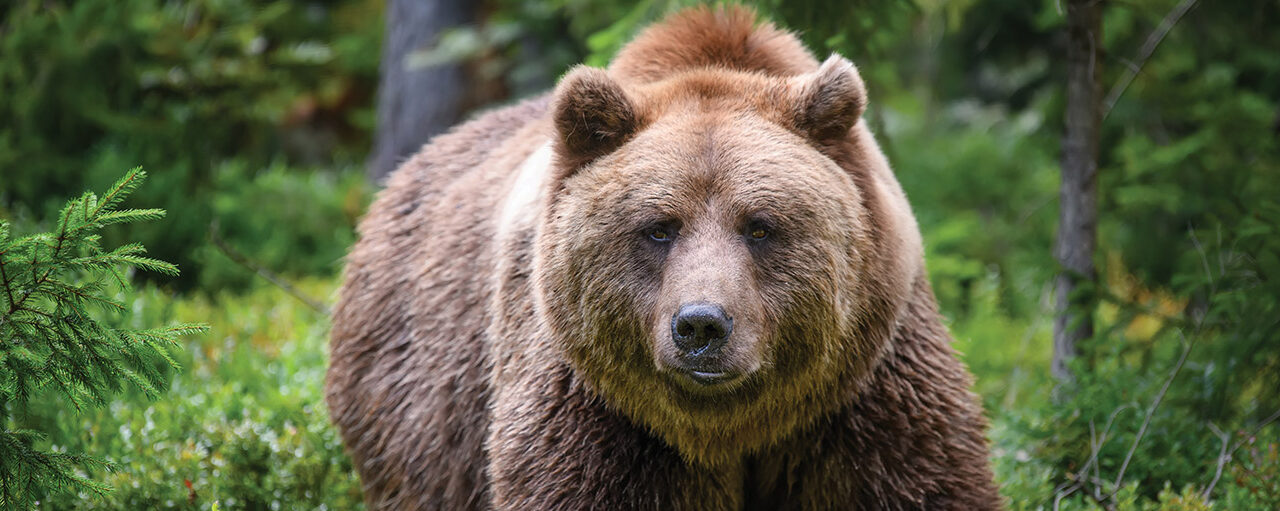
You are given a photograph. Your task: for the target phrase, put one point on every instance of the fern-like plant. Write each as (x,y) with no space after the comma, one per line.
(56,290)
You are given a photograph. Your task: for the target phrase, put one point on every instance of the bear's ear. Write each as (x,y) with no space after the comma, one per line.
(829,101)
(593,115)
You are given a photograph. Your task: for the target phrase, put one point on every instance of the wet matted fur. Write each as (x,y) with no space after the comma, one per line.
(502,337)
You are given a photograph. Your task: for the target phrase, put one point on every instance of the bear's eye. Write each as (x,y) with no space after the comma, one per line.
(660,233)
(757,231)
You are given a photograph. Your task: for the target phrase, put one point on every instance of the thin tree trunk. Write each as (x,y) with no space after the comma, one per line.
(1078,214)
(416,104)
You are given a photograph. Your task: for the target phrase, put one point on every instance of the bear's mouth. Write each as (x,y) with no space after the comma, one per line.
(705,380)
(715,373)
(709,378)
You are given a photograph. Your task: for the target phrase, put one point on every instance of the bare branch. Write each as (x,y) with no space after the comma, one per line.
(268,275)
(1224,457)
(1060,494)
(1148,48)
(1146,421)
(1081,478)
(1095,446)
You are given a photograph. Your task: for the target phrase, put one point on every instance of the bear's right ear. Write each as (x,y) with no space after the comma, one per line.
(828,102)
(593,116)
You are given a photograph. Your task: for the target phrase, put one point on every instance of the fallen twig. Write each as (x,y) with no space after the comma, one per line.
(268,275)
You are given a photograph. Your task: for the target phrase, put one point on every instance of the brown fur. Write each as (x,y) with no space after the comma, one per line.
(502,338)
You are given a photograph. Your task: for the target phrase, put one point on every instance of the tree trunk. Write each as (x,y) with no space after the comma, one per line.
(416,104)
(1078,213)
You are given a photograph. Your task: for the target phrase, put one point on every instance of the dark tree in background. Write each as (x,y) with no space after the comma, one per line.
(1078,197)
(416,102)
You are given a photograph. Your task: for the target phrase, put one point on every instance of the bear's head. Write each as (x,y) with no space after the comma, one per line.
(723,253)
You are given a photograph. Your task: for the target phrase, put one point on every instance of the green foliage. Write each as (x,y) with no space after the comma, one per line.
(190,86)
(247,428)
(52,336)
(301,222)
(1254,484)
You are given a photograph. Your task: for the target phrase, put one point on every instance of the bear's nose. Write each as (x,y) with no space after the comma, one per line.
(700,327)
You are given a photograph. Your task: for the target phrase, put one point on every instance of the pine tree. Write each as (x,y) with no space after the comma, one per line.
(56,300)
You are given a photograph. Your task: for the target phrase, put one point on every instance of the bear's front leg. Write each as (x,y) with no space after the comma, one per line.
(553,445)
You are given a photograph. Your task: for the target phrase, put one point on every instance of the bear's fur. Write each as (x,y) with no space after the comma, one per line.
(504,340)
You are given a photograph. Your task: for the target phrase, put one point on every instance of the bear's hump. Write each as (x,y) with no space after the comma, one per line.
(729,37)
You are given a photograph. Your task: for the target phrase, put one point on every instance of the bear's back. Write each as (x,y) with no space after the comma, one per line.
(407,382)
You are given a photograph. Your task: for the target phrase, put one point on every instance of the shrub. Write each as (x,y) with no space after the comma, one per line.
(249,431)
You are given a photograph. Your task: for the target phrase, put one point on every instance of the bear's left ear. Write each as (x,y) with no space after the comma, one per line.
(593,115)
(828,102)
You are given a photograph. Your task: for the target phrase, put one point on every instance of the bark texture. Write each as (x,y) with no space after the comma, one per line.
(415,104)
(1078,213)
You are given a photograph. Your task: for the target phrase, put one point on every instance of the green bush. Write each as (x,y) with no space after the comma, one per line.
(247,427)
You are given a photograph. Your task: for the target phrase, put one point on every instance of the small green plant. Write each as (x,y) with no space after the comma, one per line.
(58,309)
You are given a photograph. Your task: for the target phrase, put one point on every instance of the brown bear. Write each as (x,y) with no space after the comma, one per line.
(689,281)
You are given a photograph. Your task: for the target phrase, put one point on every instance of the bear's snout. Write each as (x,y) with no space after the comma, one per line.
(700,332)
(700,328)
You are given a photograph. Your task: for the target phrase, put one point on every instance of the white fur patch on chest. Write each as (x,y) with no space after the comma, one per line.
(519,207)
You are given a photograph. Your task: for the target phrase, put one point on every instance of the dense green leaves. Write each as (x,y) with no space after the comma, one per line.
(196,90)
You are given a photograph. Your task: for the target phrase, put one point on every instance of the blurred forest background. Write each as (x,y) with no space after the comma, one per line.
(258,123)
